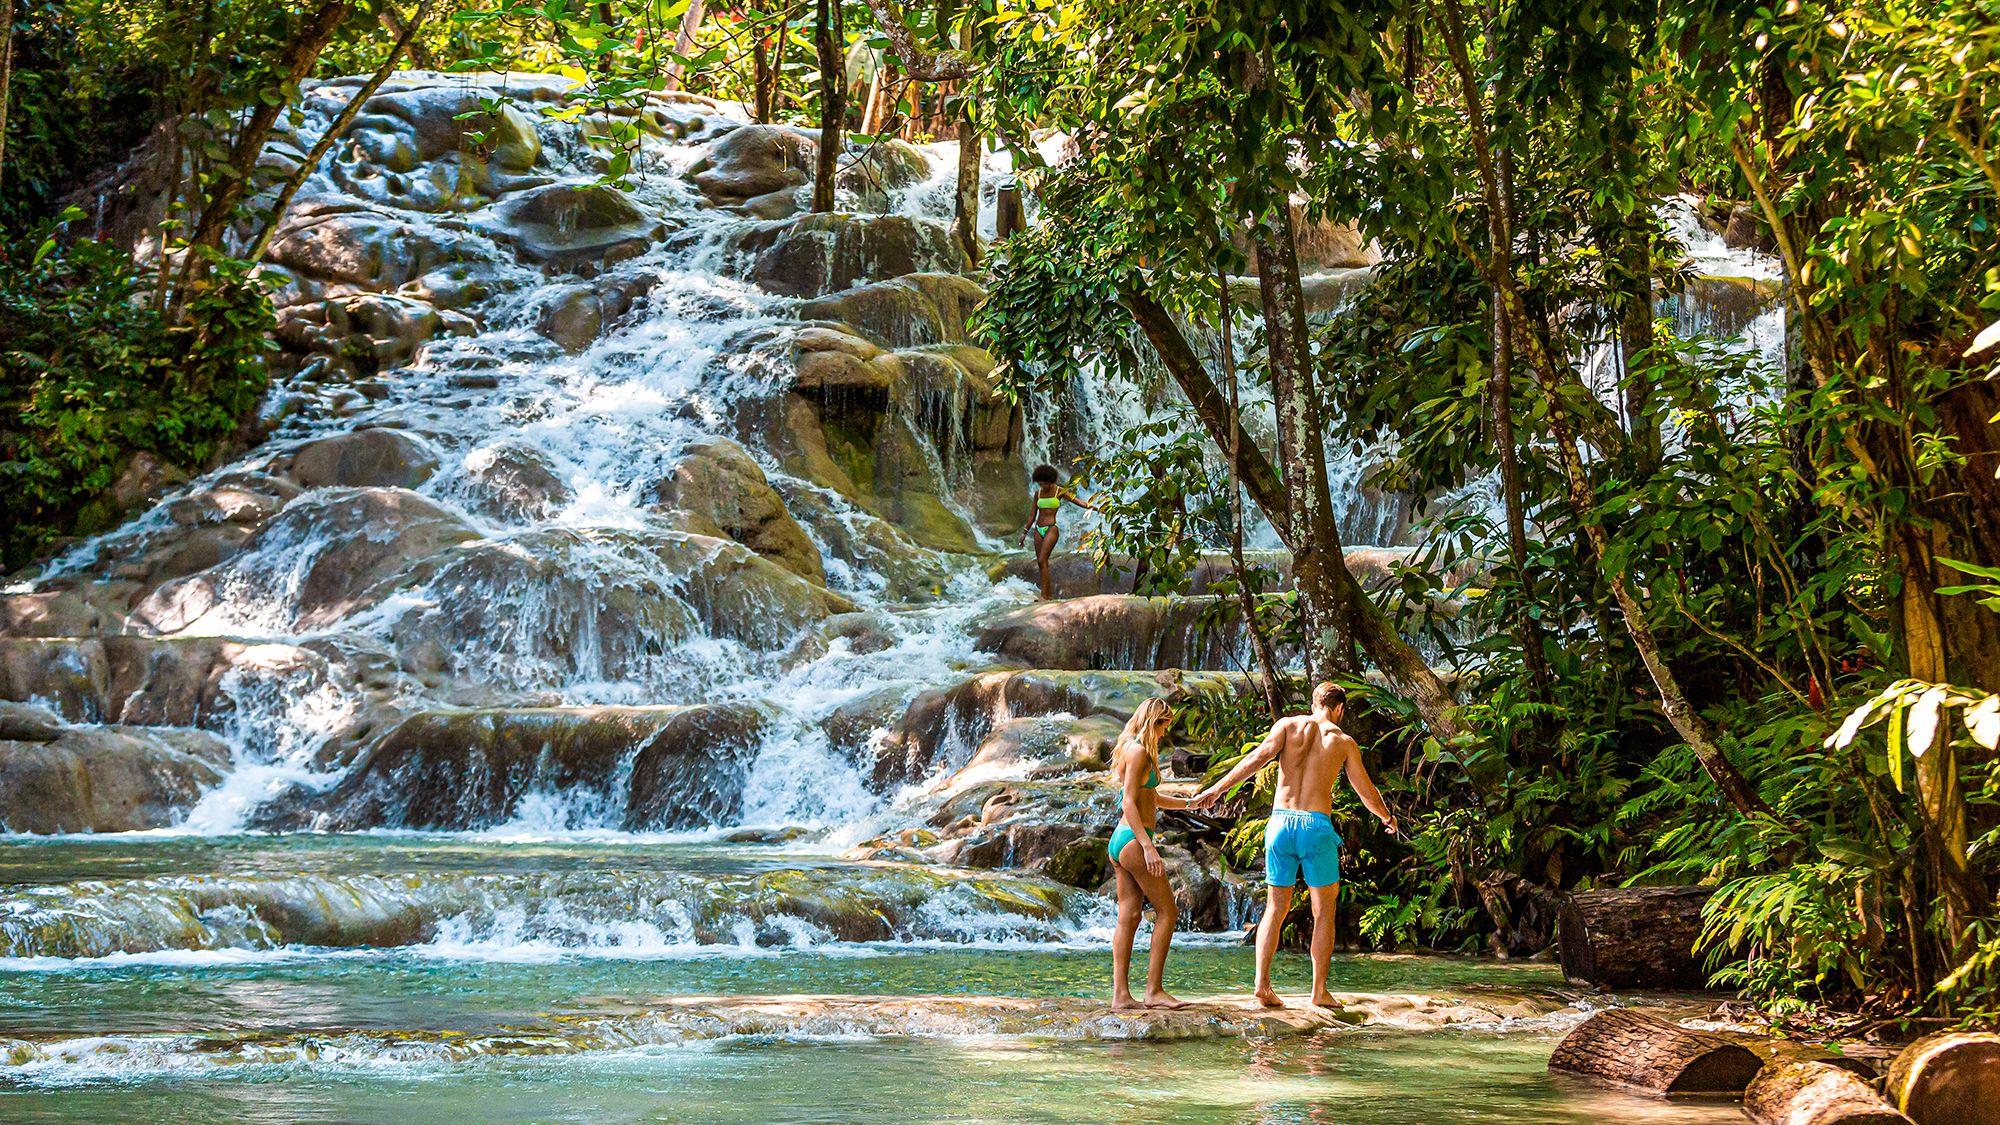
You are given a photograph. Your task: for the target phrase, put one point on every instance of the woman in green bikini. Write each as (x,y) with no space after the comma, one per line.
(1135,857)
(1049,495)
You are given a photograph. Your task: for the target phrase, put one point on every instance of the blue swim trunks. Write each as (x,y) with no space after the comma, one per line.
(1295,840)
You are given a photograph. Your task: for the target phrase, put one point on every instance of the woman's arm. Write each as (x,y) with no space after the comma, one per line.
(1134,778)
(1078,500)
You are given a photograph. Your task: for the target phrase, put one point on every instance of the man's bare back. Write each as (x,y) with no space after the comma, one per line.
(1311,754)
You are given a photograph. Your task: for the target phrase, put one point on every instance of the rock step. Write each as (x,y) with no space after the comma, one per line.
(1200,632)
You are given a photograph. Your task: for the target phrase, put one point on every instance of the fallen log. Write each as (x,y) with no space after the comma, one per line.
(1951,1078)
(1633,937)
(1813,1092)
(1648,1054)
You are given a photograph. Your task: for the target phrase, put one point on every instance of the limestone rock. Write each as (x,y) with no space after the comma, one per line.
(377,458)
(575,227)
(26,722)
(469,769)
(107,779)
(513,481)
(825,253)
(1120,631)
(725,493)
(339,544)
(327,240)
(753,162)
(907,312)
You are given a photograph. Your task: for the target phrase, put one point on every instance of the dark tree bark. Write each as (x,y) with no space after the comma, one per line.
(1650,1055)
(1806,1092)
(1267,660)
(830,42)
(1634,937)
(392,22)
(1010,214)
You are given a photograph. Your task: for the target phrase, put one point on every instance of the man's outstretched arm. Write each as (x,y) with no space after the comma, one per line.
(1252,762)
(1364,788)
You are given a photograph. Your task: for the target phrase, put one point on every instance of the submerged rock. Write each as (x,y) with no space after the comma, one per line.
(106,779)
(596,908)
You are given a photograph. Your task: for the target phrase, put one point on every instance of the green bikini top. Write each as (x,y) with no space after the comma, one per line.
(1153,778)
(1048,501)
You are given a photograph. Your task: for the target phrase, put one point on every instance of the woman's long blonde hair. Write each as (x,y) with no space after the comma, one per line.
(1140,736)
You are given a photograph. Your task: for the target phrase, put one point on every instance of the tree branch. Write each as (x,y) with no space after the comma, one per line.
(929,66)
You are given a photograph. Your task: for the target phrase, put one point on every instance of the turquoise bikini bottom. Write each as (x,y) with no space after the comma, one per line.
(1119,839)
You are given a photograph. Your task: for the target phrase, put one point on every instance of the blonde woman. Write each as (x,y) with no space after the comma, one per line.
(1135,856)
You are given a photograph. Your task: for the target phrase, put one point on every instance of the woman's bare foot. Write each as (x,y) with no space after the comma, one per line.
(1269,998)
(1164,1001)
(1126,1004)
(1324,1000)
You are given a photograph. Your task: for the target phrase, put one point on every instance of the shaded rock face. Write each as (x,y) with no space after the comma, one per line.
(917,437)
(722,492)
(1121,631)
(648,767)
(106,779)
(511,480)
(818,254)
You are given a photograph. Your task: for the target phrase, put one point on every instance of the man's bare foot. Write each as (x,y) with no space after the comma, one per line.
(1126,1004)
(1324,1000)
(1269,998)
(1164,1001)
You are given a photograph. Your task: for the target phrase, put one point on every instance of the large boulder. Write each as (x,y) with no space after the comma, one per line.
(1121,631)
(438,144)
(543,609)
(375,458)
(721,491)
(28,722)
(329,241)
(907,312)
(512,481)
(762,171)
(451,769)
(320,559)
(577,227)
(756,170)
(741,595)
(825,253)
(106,779)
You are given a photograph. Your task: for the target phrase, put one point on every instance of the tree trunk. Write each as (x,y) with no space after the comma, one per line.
(1403,665)
(6,76)
(1652,1056)
(830,42)
(300,53)
(1633,937)
(1010,215)
(1267,660)
(965,201)
(766,67)
(1301,449)
(1953,1076)
(336,129)
(392,22)
(871,109)
(1561,389)
(684,41)
(1816,1093)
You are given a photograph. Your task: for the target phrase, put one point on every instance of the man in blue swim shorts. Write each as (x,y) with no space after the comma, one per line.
(1299,840)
